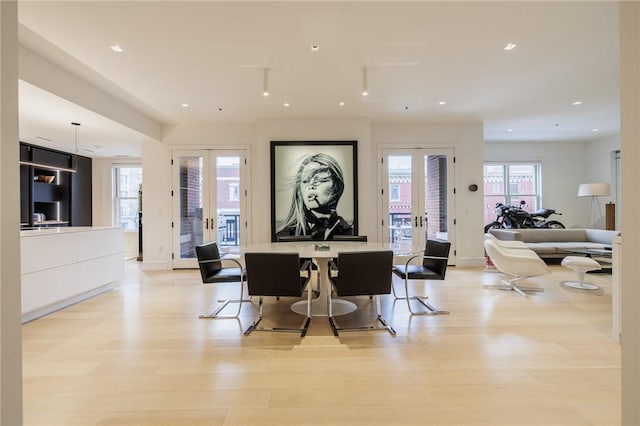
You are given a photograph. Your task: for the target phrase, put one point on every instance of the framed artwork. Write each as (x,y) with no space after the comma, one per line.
(314,189)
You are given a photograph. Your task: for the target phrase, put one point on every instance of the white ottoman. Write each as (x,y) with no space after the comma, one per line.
(581,265)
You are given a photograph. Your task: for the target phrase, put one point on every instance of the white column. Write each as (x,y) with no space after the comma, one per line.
(629,136)
(10,328)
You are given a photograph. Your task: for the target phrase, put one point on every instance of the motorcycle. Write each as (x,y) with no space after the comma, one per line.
(512,217)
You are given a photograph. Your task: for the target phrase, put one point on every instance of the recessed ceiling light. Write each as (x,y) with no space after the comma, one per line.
(185,105)
(509,130)
(286,104)
(595,130)
(442,103)
(510,46)
(577,103)
(341,103)
(315,47)
(117,48)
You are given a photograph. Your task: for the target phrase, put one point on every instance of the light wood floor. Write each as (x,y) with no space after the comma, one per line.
(139,355)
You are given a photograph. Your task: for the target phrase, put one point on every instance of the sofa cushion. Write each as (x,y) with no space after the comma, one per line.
(557,242)
(552,235)
(542,248)
(601,236)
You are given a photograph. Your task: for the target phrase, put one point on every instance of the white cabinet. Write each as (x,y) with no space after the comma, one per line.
(62,266)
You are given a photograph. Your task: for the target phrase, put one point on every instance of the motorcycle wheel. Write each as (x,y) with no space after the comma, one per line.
(492,225)
(554,224)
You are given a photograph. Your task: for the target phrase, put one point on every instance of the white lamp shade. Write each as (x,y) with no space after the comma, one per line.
(593,190)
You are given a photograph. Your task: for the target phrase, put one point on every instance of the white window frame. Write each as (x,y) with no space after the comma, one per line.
(510,198)
(234,194)
(116,199)
(394,192)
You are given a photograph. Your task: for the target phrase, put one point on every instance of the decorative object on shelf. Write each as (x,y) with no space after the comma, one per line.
(594,190)
(44,178)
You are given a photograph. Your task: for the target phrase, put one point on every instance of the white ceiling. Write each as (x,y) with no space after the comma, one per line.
(211,55)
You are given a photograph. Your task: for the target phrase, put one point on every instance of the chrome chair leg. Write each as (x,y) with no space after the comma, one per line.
(385,325)
(430,309)
(215,314)
(303,330)
(511,285)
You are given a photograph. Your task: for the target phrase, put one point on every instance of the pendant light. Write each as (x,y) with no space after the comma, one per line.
(75,157)
(265,82)
(75,125)
(365,82)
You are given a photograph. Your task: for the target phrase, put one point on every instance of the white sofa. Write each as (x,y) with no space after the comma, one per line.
(554,243)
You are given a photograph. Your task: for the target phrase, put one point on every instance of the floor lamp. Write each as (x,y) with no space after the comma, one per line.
(594,190)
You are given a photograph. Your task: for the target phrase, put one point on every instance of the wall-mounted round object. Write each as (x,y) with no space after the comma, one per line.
(473,187)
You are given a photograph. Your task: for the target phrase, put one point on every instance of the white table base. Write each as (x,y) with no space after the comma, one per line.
(319,307)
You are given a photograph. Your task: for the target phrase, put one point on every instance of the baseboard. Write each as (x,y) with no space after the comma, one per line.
(45,310)
(470,262)
(155,266)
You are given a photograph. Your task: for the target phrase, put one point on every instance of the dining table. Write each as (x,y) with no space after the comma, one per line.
(322,252)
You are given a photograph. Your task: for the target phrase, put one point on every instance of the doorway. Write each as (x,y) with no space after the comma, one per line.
(209,201)
(417,196)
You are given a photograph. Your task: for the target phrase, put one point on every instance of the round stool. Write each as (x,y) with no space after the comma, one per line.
(581,265)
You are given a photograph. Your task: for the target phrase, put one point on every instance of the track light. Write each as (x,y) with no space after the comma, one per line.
(265,82)
(365,83)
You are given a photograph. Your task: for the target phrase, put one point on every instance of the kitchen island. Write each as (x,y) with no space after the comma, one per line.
(65,265)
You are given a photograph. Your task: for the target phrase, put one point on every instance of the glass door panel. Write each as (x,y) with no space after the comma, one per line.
(435,197)
(400,198)
(191,207)
(227,196)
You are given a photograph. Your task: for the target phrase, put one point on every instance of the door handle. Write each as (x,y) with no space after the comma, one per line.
(416,221)
(420,221)
(206,223)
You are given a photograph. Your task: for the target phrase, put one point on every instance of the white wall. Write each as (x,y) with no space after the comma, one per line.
(466,139)
(467,142)
(102,198)
(565,165)
(563,170)
(10,329)
(600,168)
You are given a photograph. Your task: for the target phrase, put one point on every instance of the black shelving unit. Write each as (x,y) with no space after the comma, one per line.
(55,188)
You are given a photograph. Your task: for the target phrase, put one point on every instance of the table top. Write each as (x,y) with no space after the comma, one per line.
(324,249)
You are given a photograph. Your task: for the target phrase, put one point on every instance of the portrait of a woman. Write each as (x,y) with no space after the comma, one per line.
(317,187)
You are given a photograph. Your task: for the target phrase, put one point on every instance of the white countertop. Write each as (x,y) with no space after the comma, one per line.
(62,230)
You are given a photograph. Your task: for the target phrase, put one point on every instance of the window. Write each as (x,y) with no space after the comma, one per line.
(127,187)
(511,183)
(394,192)
(234,192)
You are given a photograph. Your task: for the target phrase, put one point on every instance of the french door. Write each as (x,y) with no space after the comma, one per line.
(418,196)
(209,201)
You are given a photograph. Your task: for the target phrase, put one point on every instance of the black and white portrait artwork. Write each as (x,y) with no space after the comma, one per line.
(313,189)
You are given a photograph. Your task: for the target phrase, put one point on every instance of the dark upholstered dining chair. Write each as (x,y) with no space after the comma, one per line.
(213,271)
(433,267)
(280,275)
(365,273)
